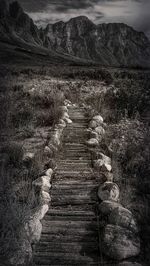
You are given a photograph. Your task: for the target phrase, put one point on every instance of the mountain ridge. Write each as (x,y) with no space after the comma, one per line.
(109,44)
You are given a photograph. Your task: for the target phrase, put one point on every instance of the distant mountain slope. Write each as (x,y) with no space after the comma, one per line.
(110,44)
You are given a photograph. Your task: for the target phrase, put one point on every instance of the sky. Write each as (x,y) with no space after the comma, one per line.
(135,13)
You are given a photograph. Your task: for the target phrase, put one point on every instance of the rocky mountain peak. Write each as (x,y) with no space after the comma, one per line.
(15,9)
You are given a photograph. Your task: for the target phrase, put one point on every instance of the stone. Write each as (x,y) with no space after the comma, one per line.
(100,130)
(43,182)
(34,229)
(67,103)
(93,124)
(120,243)
(109,176)
(40,212)
(52,147)
(29,156)
(65,115)
(100,165)
(56,139)
(98,118)
(49,172)
(62,122)
(103,163)
(107,206)
(123,217)
(44,197)
(94,135)
(68,121)
(48,152)
(64,108)
(92,142)
(108,191)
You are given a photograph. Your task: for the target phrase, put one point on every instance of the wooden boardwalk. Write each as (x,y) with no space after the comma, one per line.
(70,228)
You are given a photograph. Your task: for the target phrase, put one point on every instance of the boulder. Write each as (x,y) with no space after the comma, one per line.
(107,206)
(98,118)
(29,156)
(67,102)
(49,173)
(65,115)
(94,135)
(123,217)
(43,182)
(64,108)
(52,147)
(56,139)
(40,212)
(108,191)
(62,122)
(48,152)
(103,163)
(93,124)
(92,142)
(44,198)
(68,121)
(100,165)
(120,243)
(109,176)
(34,229)
(100,130)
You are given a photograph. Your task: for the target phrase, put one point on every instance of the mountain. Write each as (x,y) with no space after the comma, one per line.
(109,44)
(113,44)
(16,26)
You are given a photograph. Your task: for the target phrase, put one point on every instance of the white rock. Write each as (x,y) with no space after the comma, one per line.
(98,118)
(49,173)
(68,121)
(43,182)
(100,130)
(120,243)
(124,218)
(65,115)
(44,197)
(94,135)
(108,191)
(40,212)
(56,139)
(93,124)
(34,229)
(64,108)
(48,152)
(107,206)
(62,122)
(102,166)
(67,103)
(92,142)
(29,156)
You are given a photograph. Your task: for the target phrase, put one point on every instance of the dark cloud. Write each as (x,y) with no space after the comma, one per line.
(136,13)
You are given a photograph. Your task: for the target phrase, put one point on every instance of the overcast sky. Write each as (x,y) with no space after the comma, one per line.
(135,13)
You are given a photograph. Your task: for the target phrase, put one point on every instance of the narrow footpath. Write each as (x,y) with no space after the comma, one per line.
(70,228)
